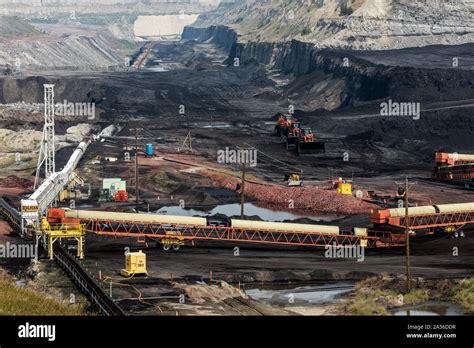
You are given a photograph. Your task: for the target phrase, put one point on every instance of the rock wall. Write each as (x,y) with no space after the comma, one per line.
(85,53)
(63,8)
(364,80)
(360,25)
(162,26)
(221,36)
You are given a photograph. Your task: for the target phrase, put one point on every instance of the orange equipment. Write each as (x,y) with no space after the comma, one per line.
(161,227)
(450,159)
(121,196)
(303,138)
(294,179)
(445,218)
(454,167)
(284,124)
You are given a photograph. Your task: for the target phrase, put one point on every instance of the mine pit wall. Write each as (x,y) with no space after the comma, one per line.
(297,58)
(371,84)
(221,36)
(364,80)
(31,90)
(41,8)
(162,26)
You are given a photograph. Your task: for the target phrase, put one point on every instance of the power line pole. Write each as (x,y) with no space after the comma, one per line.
(242,193)
(407,235)
(136,166)
(187,145)
(406,189)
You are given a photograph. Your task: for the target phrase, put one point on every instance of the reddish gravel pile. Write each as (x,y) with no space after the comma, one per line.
(5,228)
(14,181)
(308,198)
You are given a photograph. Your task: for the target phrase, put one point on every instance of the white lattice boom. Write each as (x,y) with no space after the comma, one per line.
(47,150)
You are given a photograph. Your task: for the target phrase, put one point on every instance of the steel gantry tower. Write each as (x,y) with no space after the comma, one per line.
(47,150)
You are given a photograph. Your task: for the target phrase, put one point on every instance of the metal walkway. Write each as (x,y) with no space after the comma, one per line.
(154,230)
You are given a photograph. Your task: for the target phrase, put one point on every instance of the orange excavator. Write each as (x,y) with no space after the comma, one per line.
(284,124)
(302,139)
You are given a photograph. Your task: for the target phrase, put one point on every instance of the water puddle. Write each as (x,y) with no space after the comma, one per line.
(157,69)
(217,125)
(21,283)
(85,205)
(431,308)
(234,209)
(326,293)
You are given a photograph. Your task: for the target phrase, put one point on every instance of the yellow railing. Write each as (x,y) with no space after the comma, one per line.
(56,229)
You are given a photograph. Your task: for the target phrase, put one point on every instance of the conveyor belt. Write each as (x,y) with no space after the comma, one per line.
(33,207)
(84,281)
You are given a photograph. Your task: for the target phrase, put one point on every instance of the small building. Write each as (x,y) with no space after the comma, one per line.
(113,185)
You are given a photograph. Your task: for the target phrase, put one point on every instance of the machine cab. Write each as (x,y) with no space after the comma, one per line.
(307,131)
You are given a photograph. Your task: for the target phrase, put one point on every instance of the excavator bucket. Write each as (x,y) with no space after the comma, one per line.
(310,147)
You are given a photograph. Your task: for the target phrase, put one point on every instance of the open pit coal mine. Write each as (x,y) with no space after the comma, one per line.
(219,174)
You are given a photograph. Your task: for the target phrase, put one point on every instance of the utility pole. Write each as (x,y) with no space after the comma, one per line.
(188,140)
(242,194)
(407,235)
(136,166)
(406,185)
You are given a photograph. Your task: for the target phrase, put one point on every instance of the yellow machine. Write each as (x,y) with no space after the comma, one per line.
(345,189)
(172,241)
(67,194)
(342,186)
(72,191)
(135,264)
(294,179)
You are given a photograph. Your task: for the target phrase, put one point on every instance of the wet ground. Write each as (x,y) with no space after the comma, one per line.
(285,295)
(430,308)
(249,210)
